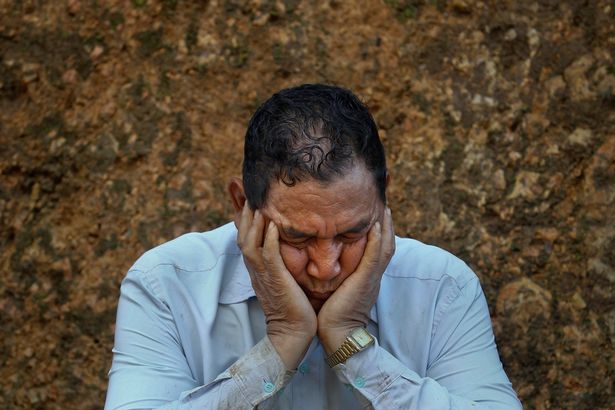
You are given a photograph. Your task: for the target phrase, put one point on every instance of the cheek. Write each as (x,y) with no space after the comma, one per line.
(351,255)
(294,259)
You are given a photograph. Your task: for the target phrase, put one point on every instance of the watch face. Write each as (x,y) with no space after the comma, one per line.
(361,336)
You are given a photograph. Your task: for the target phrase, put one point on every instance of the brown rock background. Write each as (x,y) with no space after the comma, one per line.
(120,122)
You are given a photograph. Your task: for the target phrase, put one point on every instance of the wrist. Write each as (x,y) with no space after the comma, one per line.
(357,340)
(332,338)
(290,347)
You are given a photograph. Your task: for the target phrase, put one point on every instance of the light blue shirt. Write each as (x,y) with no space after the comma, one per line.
(190,334)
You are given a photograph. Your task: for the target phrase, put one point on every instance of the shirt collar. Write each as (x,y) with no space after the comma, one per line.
(238,288)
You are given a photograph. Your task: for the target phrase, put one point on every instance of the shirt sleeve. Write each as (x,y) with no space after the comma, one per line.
(150,370)
(464,372)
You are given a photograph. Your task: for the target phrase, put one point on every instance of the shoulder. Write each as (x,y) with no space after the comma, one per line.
(195,251)
(416,260)
(197,265)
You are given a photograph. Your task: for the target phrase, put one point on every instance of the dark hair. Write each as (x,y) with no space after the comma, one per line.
(313,131)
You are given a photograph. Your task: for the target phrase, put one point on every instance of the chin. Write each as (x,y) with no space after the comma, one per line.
(317,304)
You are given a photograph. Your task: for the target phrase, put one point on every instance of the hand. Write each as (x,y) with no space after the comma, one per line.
(350,304)
(291,321)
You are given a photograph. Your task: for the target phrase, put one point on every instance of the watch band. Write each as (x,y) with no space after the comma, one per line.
(357,340)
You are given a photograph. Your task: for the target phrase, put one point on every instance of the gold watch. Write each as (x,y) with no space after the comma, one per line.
(357,340)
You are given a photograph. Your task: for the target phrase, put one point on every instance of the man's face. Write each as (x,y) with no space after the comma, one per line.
(323,228)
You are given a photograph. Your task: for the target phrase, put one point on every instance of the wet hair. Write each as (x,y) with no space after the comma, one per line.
(310,132)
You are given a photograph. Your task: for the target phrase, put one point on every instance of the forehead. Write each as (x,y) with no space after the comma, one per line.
(325,208)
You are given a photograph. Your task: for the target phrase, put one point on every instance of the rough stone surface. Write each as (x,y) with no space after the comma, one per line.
(120,122)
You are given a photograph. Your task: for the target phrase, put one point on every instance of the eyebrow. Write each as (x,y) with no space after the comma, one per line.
(297,234)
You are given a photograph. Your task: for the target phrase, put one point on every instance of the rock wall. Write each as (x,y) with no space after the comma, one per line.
(121,121)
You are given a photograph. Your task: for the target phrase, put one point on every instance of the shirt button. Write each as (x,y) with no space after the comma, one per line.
(359,382)
(304,368)
(268,387)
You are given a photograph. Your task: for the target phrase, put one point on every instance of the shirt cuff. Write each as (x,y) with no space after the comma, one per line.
(371,372)
(260,373)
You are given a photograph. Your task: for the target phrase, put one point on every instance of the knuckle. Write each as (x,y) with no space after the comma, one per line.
(389,252)
(268,264)
(246,249)
(249,254)
(268,255)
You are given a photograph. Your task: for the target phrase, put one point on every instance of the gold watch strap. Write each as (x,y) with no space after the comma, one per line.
(347,349)
(357,340)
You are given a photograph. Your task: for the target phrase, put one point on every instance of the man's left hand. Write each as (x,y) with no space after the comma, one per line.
(350,304)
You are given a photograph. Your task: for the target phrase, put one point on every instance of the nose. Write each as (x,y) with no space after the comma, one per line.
(324,259)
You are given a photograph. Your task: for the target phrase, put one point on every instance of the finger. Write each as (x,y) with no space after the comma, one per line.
(374,239)
(372,249)
(254,237)
(281,281)
(388,235)
(245,222)
(271,244)
(271,249)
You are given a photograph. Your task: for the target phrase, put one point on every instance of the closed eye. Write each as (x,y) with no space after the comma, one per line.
(299,244)
(349,239)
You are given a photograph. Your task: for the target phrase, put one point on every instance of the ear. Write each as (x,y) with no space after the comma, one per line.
(238,197)
(388,180)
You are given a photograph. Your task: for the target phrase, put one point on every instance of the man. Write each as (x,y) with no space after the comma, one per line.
(308,300)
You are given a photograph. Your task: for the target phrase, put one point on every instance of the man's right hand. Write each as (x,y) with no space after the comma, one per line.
(291,320)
